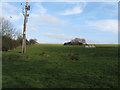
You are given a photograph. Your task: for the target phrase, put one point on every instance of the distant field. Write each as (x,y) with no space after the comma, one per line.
(58,66)
(109,45)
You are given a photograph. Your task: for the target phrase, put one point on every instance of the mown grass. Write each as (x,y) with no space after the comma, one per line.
(58,66)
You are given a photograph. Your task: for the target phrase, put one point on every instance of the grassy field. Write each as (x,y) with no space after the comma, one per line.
(58,66)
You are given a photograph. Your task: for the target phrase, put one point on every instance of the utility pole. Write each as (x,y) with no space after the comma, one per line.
(25,14)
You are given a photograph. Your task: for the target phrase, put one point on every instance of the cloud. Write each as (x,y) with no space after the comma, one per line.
(60,0)
(38,16)
(110,3)
(14,17)
(80,4)
(29,27)
(68,38)
(46,19)
(8,6)
(35,29)
(20,27)
(104,25)
(92,41)
(41,17)
(40,8)
(0,11)
(59,36)
(78,30)
(53,29)
(8,11)
(73,11)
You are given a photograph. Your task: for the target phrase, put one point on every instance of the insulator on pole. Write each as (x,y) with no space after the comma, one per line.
(27,7)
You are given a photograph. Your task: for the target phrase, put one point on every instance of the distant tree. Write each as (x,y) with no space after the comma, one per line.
(19,38)
(8,34)
(32,41)
(19,41)
(78,40)
(7,29)
(18,35)
(10,37)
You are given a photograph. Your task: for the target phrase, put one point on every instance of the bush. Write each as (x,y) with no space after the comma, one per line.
(8,43)
(5,43)
(32,41)
(10,37)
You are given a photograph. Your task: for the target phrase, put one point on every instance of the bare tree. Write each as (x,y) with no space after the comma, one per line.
(18,35)
(10,37)
(7,29)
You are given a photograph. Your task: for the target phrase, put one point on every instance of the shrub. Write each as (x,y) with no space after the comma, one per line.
(73,56)
(8,43)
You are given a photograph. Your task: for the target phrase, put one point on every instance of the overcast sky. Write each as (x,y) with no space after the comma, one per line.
(59,22)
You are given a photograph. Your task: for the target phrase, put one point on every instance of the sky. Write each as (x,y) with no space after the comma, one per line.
(59,22)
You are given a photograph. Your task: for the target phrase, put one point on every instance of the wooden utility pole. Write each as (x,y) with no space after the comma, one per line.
(25,14)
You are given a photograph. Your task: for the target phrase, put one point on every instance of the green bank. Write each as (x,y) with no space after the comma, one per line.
(59,66)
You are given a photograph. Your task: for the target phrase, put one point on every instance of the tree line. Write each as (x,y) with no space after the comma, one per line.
(11,38)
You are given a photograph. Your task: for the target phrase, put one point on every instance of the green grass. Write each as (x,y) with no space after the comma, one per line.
(58,66)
